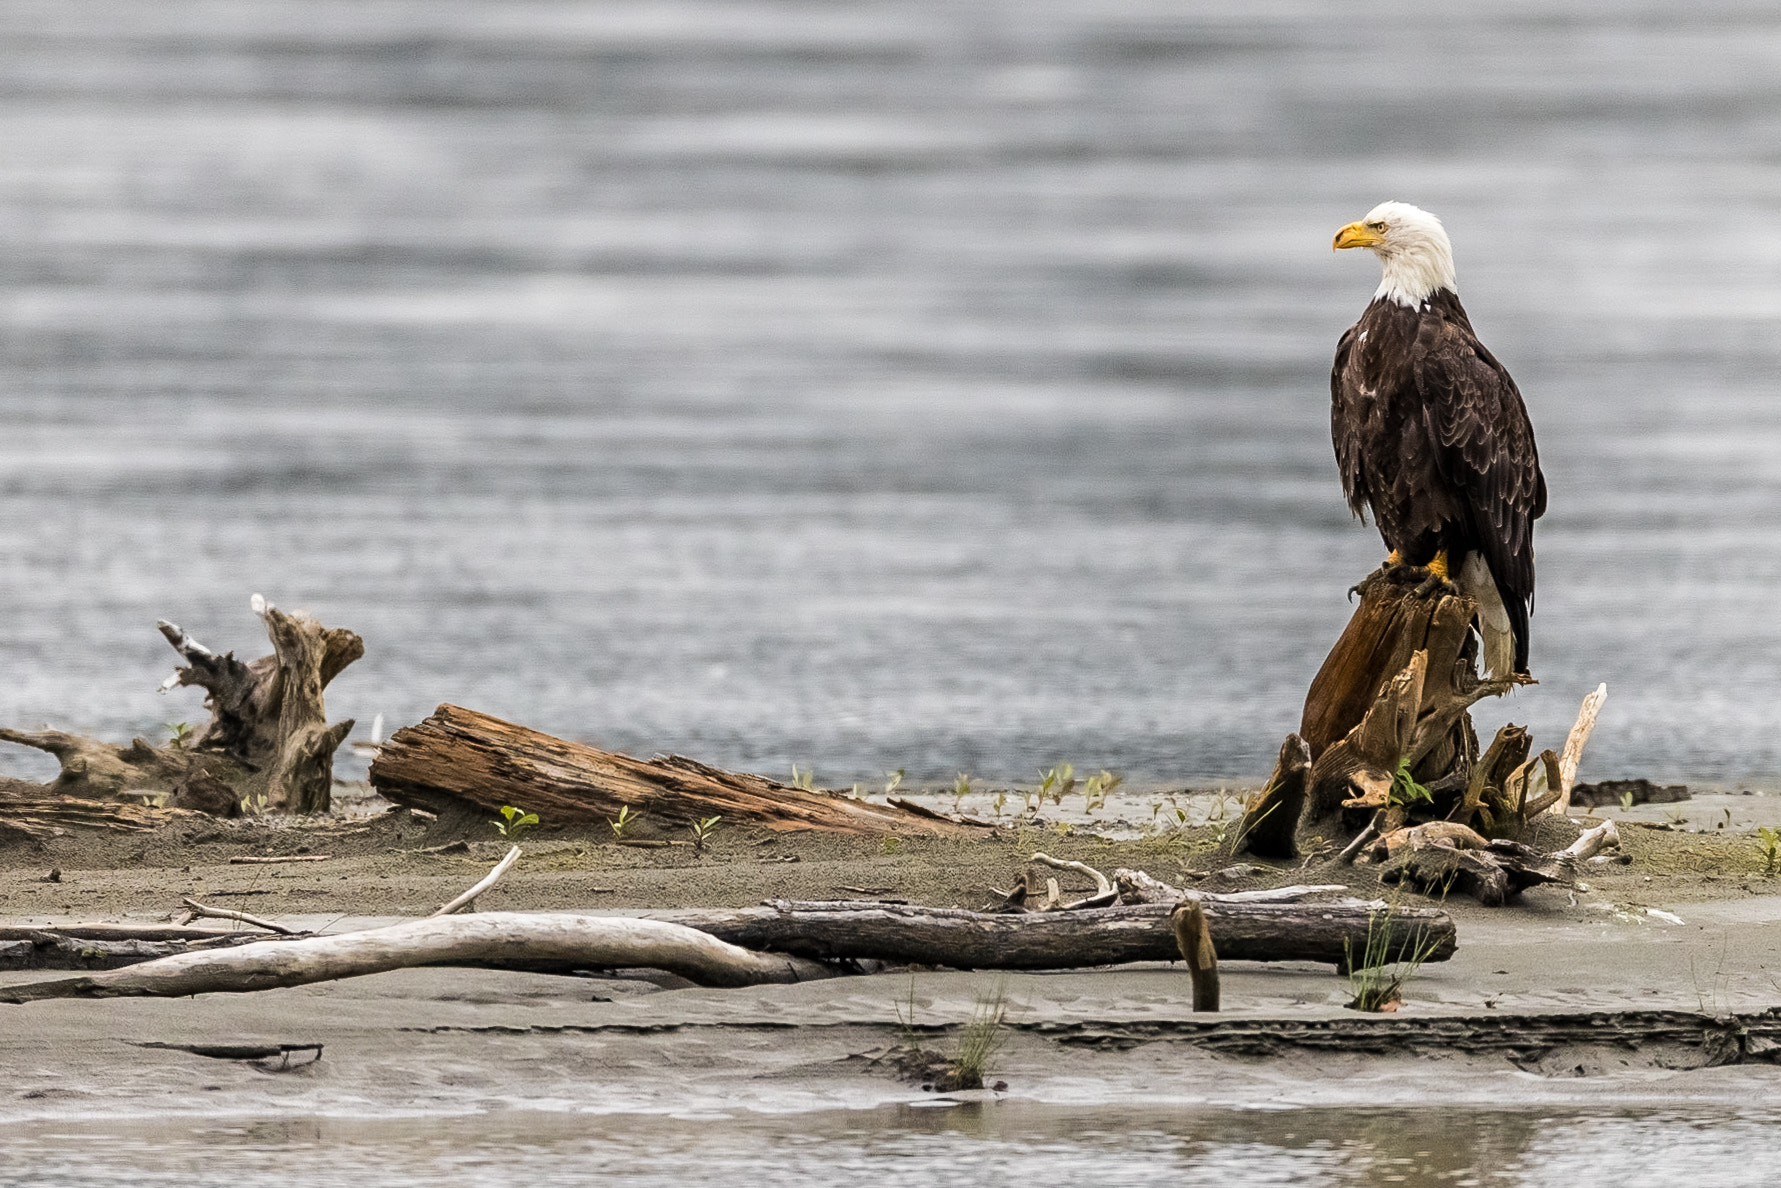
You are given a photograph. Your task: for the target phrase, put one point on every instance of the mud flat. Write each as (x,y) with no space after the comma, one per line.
(1656,989)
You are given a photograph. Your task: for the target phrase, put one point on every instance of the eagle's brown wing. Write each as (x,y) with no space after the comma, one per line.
(1486,453)
(1345,432)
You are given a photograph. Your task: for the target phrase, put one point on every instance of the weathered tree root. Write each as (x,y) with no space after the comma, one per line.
(267,740)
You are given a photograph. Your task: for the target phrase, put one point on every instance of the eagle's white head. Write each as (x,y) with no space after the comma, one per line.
(1411,244)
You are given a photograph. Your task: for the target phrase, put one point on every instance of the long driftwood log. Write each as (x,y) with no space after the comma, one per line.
(579,942)
(1058,940)
(459,759)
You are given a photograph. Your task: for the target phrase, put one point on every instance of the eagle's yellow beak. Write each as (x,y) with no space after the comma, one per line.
(1356,235)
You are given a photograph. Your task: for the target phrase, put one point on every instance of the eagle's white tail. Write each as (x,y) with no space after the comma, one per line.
(1476,583)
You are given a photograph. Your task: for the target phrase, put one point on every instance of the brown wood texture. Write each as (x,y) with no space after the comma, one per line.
(32,811)
(1390,626)
(1058,940)
(1271,819)
(267,736)
(460,757)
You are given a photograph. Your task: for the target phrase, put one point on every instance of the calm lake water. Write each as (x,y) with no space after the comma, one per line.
(970,1145)
(872,385)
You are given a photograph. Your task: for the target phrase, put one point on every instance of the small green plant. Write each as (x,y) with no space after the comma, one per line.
(1057,783)
(1404,788)
(1064,829)
(514,822)
(254,806)
(1769,842)
(893,780)
(892,844)
(1095,790)
(626,818)
(1000,800)
(979,1041)
(1379,977)
(182,734)
(961,788)
(805,779)
(702,831)
(1626,801)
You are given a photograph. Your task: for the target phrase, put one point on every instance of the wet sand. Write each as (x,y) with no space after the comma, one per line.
(1691,925)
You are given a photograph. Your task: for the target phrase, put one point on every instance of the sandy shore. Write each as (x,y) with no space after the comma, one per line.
(1691,927)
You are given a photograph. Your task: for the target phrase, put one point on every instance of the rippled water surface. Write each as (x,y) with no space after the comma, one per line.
(898,384)
(970,1144)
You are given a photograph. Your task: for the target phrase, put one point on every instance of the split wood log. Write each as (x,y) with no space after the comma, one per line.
(1271,820)
(846,930)
(460,761)
(34,813)
(1194,939)
(581,942)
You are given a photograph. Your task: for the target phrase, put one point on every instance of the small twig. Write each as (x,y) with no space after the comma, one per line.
(243,860)
(205,910)
(488,880)
(1346,857)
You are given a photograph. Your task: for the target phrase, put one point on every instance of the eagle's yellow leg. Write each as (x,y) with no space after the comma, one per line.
(1438,566)
(1394,559)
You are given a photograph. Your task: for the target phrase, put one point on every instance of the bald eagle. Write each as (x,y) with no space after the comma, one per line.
(1432,436)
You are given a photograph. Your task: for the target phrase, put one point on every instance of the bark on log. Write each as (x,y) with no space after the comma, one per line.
(583,942)
(1056,940)
(459,758)
(32,812)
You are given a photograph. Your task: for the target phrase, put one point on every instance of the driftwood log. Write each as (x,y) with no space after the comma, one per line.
(583,942)
(1242,931)
(459,760)
(32,812)
(267,742)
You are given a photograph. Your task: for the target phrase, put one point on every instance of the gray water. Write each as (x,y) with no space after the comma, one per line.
(975,1145)
(902,384)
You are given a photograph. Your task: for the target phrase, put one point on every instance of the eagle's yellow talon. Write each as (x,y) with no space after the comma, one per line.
(1438,566)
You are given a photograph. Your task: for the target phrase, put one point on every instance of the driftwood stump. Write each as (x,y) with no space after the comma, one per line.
(267,737)
(1389,707)
(459,762)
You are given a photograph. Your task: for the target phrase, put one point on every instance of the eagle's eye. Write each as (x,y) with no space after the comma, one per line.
(1379,227)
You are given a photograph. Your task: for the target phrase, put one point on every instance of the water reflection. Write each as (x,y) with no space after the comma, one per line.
(970,1144)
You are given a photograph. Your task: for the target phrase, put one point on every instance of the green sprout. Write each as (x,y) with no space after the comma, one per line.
(514,822)
(893,781)
(626,818)
(805,779)
(891,844)
(1626,801)
(254,806)
(1057,783)
(702,831)
(1094,792)
(961,788)
(182,734)
(1404,788)
(1769,841)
